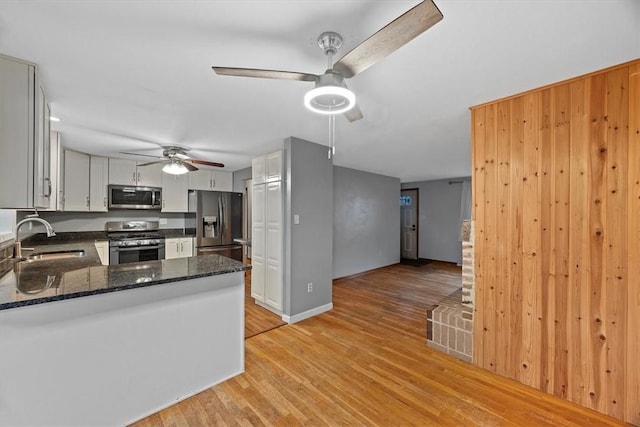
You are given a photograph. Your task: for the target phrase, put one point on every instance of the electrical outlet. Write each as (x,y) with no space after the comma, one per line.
(309,287)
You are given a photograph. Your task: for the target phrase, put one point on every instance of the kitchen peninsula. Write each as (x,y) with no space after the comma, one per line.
(88,344)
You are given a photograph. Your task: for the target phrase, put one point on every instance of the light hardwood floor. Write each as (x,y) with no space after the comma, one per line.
(366,363)
(257,319)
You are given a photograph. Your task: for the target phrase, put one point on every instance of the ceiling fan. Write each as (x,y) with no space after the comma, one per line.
(331,95)
(176,161)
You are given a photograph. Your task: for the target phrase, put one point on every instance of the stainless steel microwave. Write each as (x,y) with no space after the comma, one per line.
(130,197)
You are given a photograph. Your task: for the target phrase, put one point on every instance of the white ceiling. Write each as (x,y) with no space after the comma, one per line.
(133,75)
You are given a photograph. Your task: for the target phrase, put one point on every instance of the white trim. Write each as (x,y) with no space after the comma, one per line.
(307,314)
(268,307)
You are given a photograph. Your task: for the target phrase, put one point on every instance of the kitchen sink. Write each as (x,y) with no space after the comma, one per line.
(50,256)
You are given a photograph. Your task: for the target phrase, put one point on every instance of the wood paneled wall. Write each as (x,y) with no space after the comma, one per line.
(556,191)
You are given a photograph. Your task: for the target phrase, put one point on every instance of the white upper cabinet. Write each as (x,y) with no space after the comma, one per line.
(150,176)
(25,180)
(76,181)
(207,179)
(129,172)
(258,170)
(123,172)
(98,181)
(267,168)
(273,164)
(175,195)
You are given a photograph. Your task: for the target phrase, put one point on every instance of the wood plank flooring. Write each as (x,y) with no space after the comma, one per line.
(366,363)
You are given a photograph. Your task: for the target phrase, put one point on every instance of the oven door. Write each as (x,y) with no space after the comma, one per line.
(126,255)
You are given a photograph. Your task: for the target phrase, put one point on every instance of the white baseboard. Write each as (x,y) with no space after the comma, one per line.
(268,307)
(307,314)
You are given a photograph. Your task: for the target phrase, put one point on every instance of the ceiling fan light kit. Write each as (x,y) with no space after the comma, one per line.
(175,167)
(330,96)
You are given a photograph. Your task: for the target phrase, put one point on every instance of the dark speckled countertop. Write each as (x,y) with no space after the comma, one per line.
(28,283)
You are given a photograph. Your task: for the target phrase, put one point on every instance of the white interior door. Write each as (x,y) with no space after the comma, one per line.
(409,224)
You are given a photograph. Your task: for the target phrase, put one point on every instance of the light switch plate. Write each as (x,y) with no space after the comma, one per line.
(162,221)
(296,219)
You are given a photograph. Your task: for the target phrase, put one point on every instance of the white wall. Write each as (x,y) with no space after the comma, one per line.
(366,221)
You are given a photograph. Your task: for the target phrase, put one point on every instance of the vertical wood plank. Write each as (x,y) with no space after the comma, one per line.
(492,239)
(546,253)
(561,177)
(529,370)
(579,251)
(503,255)
(632,373)
(597,200)
(515,226)
(615,246)
(478,186)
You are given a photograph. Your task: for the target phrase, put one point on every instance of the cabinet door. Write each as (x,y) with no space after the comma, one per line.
(122,172)
(172,248)
(274,166)
(222,181)
(273,245)
(99,177)
(149,176)
(42,153)
(102,246)
(76,181)
(200,180)
(258,170)
(175,196)
(186,247)
(258,238)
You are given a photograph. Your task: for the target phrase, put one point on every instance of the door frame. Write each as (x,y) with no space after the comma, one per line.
(417,190)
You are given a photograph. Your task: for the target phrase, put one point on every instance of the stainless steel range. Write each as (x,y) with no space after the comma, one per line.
(134,241)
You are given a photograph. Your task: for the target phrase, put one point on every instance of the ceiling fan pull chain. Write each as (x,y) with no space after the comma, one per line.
(332,136)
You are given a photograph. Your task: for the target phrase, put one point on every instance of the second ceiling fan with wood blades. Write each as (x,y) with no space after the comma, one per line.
(331,95)
(176,161)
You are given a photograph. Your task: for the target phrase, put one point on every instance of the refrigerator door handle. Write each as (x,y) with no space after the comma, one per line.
(220,216)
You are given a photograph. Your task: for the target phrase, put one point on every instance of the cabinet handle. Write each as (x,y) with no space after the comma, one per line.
(48,187)
(138,176)
(163,203)
(181,247)
(87,201)
(177,247)
(134,177)
(210,183)
(104,202)
(214,183)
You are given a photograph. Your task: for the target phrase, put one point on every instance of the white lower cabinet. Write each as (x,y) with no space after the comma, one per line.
(266,244)
(178,247)
(102,246)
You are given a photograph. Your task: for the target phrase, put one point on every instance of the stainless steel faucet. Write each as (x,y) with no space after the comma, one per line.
(17,252)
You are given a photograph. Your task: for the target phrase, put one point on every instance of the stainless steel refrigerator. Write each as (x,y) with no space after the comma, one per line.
(218,221)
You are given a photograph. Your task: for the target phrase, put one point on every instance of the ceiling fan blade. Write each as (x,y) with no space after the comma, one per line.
(392,37)
(353,114)
(265,74)
(204,162)
(189,166)
(152,163)
(139,154)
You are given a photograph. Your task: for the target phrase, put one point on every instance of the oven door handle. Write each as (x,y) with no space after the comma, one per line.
(137,248)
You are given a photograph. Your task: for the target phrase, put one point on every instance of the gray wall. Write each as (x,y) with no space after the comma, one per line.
(439,219)
(308,245)
(366,221)
(239,177)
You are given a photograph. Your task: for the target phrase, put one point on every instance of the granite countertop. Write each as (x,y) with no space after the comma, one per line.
(28,283)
